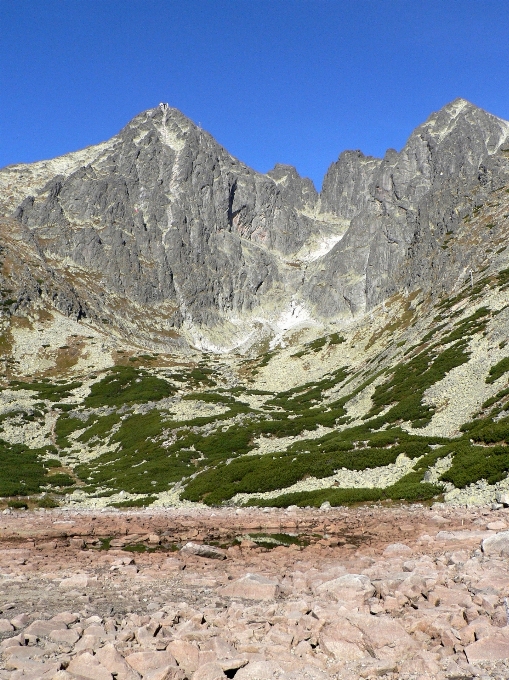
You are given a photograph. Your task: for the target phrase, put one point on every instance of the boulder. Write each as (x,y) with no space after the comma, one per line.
(87,666)
(209,671)
(6,626)
(499,525)
(148,661)
(490,648)
(503,499)
(350,587)
(41,628)
(202,550)
(256,670)
(76,581)
(496,544)
(115,663)
(67,637)
(384,635)
(165,673)
(185,653)
(342,641)
(463,537)
(397,550)
(20,621)
(252,587)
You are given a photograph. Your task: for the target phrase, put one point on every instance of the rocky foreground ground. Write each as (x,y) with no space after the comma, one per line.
(401,592)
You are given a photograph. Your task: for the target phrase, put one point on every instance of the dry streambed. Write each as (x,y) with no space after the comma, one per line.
(403,592)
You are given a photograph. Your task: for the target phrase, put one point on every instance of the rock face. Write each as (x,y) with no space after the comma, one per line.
(161,216)
(402,206)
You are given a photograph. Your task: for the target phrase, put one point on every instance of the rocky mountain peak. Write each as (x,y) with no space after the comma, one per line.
(163,216)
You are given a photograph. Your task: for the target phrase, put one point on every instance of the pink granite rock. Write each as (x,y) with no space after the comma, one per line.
(258,670)
(87,666)
(186,654)
(397,550)
(385,635)
(490,648)
(115,663)
(252,587)
(76,581)
(6,626)
(342,641)
(496,544)
(350,587)
(147,661)
(41,628)
(199,550)
(20,621)
(209,671)
(68,636)
(166,673)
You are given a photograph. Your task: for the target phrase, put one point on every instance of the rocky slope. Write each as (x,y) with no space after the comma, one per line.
(402,593)
(359,334)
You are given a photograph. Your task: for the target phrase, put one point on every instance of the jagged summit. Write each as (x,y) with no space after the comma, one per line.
(162,216)
(460,117)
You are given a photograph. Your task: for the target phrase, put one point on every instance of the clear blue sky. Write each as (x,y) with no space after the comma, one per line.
(289,81)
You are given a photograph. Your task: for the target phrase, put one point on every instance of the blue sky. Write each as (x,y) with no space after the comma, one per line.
(289,81)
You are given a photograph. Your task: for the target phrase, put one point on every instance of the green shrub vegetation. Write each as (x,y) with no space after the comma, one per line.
(65,426)
(61,480)
(503,277)
(47,502)
(22,470)
(404,391)
(135,502)
(99,428)
(47,390)
(18,505)
(498,370)
(216,457)
(472,463)
(408,488)
(497,397)
(353,449)
(127,385)
(320,343)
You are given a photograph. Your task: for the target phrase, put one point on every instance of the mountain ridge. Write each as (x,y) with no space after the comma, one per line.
(162,199)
